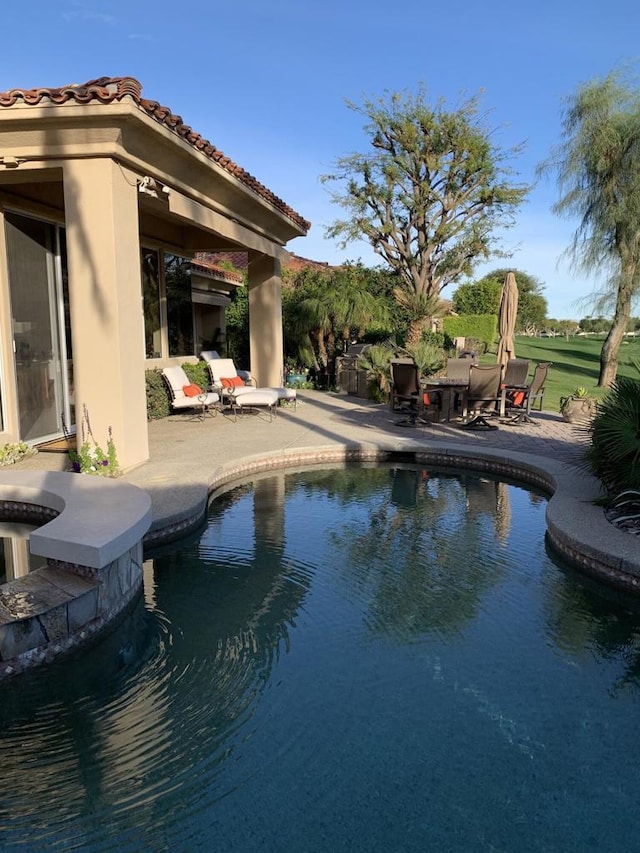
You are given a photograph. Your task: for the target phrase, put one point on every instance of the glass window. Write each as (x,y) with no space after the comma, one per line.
(179,305)
(151,303)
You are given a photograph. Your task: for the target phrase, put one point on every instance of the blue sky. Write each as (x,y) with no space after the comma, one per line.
(266,82)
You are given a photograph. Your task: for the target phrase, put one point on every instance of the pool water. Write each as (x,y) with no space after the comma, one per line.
(349,659)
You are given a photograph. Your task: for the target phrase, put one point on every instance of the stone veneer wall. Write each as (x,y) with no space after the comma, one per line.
(57,608)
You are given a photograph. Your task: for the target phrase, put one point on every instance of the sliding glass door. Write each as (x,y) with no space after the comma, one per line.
(41,340)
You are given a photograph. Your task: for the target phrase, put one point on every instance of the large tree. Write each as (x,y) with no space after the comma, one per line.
(598,171)
(427,196)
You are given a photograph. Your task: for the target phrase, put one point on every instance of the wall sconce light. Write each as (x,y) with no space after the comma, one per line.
(149,186)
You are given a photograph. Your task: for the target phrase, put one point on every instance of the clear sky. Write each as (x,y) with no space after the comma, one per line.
(266,83)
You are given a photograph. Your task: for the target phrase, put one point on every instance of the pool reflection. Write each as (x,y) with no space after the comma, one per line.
(341,655)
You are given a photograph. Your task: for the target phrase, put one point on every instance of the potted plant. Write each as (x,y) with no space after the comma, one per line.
(579,407)
(295,375)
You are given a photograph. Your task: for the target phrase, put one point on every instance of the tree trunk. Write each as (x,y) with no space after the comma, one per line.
(611,345)
(415,330)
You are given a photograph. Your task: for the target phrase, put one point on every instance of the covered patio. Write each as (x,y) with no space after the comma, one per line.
(105,197)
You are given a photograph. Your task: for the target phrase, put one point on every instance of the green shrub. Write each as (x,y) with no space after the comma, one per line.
(198,373)
(441,340)
(614,451)
(158,401)
(429,357)
(375,360)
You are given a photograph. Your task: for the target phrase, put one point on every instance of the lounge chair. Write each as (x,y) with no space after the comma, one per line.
(483,397)
(227,380)
(186,395)
(211,354)
(257,398)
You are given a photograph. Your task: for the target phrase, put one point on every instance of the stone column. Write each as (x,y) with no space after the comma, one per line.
(265,320)
(105,297)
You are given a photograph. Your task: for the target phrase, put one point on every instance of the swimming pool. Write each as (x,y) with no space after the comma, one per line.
(359,659)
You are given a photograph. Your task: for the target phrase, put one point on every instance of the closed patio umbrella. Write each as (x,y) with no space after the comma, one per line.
(507,319)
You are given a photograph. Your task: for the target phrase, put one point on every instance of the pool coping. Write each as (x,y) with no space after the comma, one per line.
(576,526)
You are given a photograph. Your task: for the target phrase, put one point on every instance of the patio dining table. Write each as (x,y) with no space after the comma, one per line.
(449,388)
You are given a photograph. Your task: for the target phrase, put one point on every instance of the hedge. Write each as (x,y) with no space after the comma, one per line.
(482,327)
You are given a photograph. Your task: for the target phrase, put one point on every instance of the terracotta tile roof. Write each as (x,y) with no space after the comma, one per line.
(108,89)
(240,262)
(298,263)
(208,266)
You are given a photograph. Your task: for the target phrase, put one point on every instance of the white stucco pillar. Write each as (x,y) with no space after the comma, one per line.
(101,211)
(265,321)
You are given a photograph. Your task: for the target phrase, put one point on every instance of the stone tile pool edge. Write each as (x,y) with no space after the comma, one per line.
(577,528)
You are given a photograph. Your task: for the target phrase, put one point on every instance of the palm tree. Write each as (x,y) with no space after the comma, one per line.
(420,309)
(335,303)
(598,167)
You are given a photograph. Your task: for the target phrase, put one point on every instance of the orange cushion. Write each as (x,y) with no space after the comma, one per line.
(192,390)
(232,382)
(516,398)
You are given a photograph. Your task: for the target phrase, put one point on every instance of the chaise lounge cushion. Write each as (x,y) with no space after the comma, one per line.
(192,390)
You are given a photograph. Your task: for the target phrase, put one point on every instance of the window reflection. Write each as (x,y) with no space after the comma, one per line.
(151,303)
(179,305)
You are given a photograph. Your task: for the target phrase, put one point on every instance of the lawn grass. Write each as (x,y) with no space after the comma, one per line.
(575,363)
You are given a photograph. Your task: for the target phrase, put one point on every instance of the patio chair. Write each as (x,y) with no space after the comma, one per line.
(458,368)
(514,382)
(407,393)
(533,393)
(483,396)
(211,354)
(404,385)
(516,372)
(185,395)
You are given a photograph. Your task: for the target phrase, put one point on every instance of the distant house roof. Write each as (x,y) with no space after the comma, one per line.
(105,90)
(212,260)
(211,265)
(296,263)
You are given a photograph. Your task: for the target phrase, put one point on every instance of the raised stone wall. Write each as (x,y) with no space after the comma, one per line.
(55,609)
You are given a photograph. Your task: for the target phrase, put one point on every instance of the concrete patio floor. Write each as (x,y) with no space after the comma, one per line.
(186,455)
